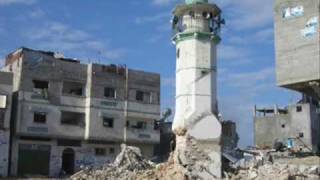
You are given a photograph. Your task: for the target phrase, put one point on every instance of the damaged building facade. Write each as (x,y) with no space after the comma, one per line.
(297,127)
(69,114)
(5,114)
(297,68)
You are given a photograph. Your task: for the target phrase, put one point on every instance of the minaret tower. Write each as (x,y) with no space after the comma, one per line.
(196,26)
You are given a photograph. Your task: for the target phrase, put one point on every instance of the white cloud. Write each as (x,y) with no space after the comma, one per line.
(240,15)
(38,13)
(10,2)
(152,18)
(61,37)
(232,52)
(163,2)
(248,79)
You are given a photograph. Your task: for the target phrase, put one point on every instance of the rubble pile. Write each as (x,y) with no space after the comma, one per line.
(127,165)
(130,165)
(268,166)
(278,171)
(187,162)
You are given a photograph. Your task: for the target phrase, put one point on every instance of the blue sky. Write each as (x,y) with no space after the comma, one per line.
(137,33)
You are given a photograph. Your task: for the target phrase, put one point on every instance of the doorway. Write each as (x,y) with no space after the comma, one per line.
(68,161)
(33,160)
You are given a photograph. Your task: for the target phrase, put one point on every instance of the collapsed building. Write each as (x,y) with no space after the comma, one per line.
(67,114)
(298,69)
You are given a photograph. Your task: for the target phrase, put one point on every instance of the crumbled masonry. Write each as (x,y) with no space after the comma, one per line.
(125,166)
(130,165)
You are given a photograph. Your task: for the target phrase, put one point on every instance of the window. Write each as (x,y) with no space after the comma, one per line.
(299,108)
(72,118)
(140,125)
(100,151)
(109,92)
(301,135)
(40,117)
(144,97)
(139,95)
(40,88)
(72,88)
(40,84)
(108,122)
(111,151)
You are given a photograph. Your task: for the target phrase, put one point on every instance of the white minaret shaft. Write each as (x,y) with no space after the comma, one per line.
(196,38)
(196,25)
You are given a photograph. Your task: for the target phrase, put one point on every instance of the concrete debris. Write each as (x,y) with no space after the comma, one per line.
(278,171)
(191,164)
(126,165)
(264,164)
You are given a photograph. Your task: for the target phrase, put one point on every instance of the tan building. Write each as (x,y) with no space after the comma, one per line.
(69,114)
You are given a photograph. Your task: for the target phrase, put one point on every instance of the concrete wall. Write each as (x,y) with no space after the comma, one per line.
(280,127)
(269,129)
(5,90)
(295,49)
(84,155)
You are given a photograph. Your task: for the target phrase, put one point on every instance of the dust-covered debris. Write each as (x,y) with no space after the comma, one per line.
(127,164)
(269,165)
(130,165)
(278,171)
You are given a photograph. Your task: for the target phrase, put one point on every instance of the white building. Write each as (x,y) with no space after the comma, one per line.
(69,114)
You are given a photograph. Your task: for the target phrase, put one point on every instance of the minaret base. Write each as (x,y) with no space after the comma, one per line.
(198,158)
(198,148)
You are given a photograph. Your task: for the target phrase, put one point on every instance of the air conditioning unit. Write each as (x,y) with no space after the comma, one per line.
(3,101)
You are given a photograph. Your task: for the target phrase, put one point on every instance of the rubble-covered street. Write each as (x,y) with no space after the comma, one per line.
(130,165)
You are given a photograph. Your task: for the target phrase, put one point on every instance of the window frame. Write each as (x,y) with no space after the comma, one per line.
(34,81)
(141,93)
(80,122)
(112,150)
(100,151)
(114,92)
(40,115)
(64,91)
(109,123)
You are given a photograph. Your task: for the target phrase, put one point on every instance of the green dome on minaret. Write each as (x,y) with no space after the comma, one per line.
(196,1)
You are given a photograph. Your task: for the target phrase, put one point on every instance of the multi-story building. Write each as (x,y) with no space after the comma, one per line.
(297,127)
(297,68)
(297,45)
(68,114)
(5,114)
